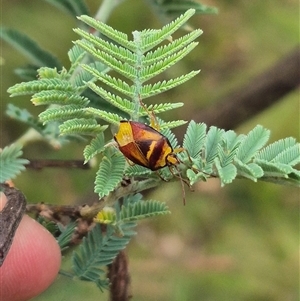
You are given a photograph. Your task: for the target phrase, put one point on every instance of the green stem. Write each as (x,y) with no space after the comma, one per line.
(106,9)
(146,184)
(30,135)
(137,38)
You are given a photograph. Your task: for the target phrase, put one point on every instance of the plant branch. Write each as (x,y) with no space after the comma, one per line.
(106,9)
(55,212)
(262,92)
(40,164)
(119,277)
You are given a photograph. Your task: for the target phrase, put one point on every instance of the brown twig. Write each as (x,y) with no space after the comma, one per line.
(259,94)
(119,277)
(39,164)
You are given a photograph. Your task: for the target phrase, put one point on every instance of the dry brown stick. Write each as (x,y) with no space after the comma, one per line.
(260,93)
(119,277)
(39,164)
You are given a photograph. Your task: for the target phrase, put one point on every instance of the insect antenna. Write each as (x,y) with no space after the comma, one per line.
(182,181)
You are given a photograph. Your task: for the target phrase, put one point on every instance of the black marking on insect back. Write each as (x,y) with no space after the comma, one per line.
(144,146)
(156,160)
(134,154)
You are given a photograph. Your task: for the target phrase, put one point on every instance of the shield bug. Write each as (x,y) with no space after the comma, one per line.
(145,146)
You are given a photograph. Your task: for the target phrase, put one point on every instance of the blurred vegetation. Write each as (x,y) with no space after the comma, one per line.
(240,242)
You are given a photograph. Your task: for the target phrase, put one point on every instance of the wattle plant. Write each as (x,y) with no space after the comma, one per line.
(110,79)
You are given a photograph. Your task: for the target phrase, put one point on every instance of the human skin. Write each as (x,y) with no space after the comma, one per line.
(32,262)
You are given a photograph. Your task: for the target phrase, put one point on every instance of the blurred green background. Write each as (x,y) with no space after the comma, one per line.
(240,242)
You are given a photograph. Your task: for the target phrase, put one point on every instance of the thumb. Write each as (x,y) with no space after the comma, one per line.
(32,263)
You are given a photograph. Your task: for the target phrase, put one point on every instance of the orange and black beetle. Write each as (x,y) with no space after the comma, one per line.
(145,146)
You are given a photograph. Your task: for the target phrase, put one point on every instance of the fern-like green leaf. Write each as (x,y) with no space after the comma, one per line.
(195,177)
(81,126)
(225,156)
(194,138)
(171,137)
(120,103)
(86,261)
(292,179)
(164,51)
(143,209)
(66,235)
(151,40)
(228,147)
(36,86)
(124,69)
(116,51)
(99,250)
(75,54)
(283,151)
(82,77)
(227,173)
(170,125)
(269,152)
(231,140)
(126,59)
(159,87)
(110,173)
(51,226)
(290,156)
(252,143)
(160,108)
(251,171)
(112,82)
(59,98)
(153,70)
(63,113)
(95,147)
(274,169)
(10,162)
(49,73)
(113,34)
(107,116)
(213,139)
(137,170)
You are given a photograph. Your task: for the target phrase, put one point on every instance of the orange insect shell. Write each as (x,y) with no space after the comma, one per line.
(145,146)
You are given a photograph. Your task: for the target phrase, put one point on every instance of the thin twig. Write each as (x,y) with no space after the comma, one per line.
(39,164)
